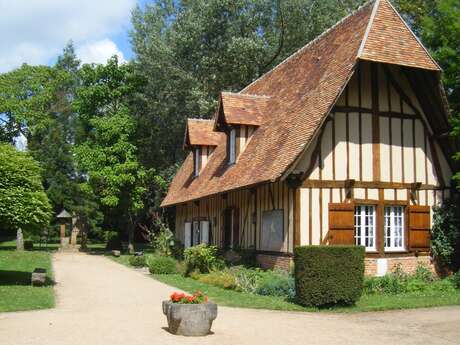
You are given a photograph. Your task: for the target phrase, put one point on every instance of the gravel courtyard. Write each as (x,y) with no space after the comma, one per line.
(101,302)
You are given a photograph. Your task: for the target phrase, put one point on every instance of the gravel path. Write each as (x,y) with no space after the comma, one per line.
(100,302)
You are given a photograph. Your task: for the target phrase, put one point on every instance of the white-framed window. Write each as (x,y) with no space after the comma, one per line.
(232,148)
(365,228)
(197,161)
(394,228)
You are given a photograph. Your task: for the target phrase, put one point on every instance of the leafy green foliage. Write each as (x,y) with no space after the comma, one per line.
(328,275)
(137,260)
(422,281)
(224,279)
(202,258)
(165,243)
(456,280)
(23,202)
(162,265)
(446,232)
(276,283)
(105,149)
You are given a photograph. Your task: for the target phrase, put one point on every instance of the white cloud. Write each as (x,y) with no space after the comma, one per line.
(35,31)
(99,52)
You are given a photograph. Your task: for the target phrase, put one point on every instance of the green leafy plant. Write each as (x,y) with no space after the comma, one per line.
(446,231)
(456,280)
(224,279)
(162,265)
(165,242)
(202,258)
(137,260)
(328,275)
(276,283)
(247,280)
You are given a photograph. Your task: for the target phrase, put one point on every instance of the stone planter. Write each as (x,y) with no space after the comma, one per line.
(190,319)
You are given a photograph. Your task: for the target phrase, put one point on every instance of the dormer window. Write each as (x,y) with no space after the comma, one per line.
(232,146)
(196,161)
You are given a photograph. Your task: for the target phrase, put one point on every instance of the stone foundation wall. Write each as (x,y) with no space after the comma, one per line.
(379,267)
(267,261)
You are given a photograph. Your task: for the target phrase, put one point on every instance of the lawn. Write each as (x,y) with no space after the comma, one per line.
(15,289)
(375,302)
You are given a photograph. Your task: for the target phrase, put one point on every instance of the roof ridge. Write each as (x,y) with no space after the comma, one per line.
(246,94)
(198,119)
(368,28)
(316,39)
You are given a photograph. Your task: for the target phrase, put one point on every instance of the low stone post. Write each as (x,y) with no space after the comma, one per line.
(19,240)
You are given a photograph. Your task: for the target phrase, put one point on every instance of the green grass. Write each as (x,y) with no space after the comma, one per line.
(15,289)
(374,302)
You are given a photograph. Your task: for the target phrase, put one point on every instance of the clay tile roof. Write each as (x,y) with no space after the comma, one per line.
(388,39)
(200,132)
(302,90)
(243,109)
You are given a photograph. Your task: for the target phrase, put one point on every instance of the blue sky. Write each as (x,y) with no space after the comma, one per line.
(35,31)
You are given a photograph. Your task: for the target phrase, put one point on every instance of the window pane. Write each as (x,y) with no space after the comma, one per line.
(365,226)
(394,228)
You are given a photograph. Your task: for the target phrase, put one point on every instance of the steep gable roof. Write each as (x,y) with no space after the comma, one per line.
(301,90)
(388,39)
(200,132)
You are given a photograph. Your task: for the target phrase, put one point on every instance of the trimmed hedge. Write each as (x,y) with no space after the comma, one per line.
(328,275)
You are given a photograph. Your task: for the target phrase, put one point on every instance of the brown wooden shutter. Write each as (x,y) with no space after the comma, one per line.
(419,222)
(342,224)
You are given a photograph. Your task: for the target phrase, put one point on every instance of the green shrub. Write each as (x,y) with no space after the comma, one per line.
(223,279)
(202,258)
(446,231)
(276,283)
(165,243)
(456,280)
(442,285)
(328,275)
(247,280)
(137,261)
(162,265)
(423,273)
(388,284)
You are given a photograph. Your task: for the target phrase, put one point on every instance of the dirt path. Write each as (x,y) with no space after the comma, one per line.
(100,302)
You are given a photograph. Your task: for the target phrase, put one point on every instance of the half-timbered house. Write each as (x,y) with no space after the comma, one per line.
(344,142)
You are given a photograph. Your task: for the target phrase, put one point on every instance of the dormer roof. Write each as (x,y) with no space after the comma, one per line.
(241,109)
(199,132)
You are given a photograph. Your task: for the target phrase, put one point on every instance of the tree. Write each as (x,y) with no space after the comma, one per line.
(23,201)
(104,144)
(37,102)
(189,51)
